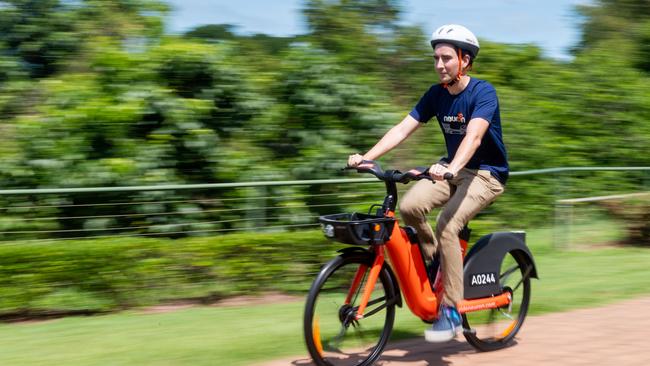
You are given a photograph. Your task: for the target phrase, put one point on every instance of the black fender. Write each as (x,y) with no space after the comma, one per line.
(389,270)
(484,260)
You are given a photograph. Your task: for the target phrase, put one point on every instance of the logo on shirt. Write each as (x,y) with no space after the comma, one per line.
(454,125)
(459,118)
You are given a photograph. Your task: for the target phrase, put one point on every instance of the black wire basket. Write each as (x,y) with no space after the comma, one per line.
(357,228)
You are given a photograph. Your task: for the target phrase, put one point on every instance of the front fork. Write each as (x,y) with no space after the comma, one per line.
(377,265)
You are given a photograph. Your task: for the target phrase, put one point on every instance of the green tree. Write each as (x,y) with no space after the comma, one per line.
(612,18)
(354,30)
(329,110)
(212,32)
(41,33)
(96,90)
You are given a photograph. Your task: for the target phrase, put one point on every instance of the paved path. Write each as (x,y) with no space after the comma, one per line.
(614,335)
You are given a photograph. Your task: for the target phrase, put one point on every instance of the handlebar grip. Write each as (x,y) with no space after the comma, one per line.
(448,176)
(348,167)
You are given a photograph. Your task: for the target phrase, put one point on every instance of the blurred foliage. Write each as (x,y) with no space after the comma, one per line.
(93,93)
(213,32)
(635,214)
(113,274)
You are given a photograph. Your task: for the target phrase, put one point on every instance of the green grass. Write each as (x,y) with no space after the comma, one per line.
(196,336)
(580,277)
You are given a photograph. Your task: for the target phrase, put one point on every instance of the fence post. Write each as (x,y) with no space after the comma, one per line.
(563,213)
(563,223)
(256,212)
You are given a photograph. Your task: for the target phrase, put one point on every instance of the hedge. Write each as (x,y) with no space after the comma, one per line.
(117,273)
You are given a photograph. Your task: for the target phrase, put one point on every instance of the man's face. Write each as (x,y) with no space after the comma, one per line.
(446,62)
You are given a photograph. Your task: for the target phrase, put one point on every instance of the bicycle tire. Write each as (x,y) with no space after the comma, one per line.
(494,329)
(331,338)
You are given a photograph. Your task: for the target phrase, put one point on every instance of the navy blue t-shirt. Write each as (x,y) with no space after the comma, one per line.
(478,100)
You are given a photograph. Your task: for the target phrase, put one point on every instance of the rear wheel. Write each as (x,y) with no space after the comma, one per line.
(333,336)
(492,329)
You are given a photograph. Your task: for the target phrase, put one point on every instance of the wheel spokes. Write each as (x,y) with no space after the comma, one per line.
(504,276)
(343,337)
(523,278)
(495,328)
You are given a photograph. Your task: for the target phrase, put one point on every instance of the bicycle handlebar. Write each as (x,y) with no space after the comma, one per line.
(418,173)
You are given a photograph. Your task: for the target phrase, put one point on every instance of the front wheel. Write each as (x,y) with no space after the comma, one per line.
(493,329)
(333,335)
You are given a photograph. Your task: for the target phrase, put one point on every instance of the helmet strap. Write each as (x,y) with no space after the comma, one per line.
(460,71)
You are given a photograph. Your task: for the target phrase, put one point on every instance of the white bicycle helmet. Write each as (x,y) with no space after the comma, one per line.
(458,36)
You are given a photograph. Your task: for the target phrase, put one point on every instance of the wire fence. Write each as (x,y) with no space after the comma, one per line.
(573,216)
(35,217)
(213,209)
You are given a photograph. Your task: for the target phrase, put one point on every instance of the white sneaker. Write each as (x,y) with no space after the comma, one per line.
(445,327)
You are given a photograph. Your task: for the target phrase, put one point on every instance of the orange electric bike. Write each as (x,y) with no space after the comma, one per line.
(350,308)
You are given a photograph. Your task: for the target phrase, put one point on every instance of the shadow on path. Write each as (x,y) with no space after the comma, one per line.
(413,352)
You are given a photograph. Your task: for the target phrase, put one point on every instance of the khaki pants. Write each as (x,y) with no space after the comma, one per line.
(465,195)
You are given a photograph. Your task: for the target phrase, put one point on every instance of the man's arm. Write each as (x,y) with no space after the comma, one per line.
(476,129)
(391,139)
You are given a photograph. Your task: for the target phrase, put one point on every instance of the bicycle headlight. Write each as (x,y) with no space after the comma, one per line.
(328,230)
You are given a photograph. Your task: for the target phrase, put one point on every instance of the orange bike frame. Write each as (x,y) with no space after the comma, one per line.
(411,274)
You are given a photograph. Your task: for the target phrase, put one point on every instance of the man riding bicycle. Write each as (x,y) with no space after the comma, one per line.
(467,110)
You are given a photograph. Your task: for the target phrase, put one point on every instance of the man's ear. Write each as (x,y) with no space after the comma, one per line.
(467,59)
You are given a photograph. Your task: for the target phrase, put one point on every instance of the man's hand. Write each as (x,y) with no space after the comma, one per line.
(437,171)
(354,160)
